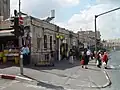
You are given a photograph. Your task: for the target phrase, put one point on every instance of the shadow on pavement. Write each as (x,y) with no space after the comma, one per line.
(7,65)
(91,64)
(61,65)
(94,69)
(109,68)
(46,85)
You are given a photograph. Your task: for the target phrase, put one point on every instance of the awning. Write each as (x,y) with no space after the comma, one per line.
(5,29)
(6,33)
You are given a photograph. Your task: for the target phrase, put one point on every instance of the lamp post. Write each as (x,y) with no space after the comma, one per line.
(20,44)
(96,24)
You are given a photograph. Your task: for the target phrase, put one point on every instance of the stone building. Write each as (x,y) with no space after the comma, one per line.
(112,43)
(47,37)
(5,9)
(44,37)
(88,37)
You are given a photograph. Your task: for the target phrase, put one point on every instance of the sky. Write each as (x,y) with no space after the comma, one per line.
(76,14)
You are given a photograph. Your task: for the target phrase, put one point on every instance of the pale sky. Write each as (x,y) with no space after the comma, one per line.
(76,14)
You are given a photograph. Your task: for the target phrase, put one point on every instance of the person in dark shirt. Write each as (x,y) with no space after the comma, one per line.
(85,58)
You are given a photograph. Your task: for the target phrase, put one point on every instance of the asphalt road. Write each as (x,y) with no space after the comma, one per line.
(17,85)
(114,71)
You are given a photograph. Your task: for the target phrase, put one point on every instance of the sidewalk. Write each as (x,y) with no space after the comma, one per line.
(65,76)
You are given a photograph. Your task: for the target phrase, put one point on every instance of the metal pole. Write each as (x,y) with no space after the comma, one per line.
(109,11)
(20,45)
(96,24)
(95,34)
(59,51)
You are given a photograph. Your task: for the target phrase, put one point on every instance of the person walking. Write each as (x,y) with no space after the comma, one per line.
(88,54)
(84,60)
(98,58)
(71,56)
(52,58)
(105,60)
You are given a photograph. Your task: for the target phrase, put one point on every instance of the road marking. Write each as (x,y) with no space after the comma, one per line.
(22,78)
(107,77)
(34,86)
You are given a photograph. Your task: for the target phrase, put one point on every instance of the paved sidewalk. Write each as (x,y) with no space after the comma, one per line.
(64,76)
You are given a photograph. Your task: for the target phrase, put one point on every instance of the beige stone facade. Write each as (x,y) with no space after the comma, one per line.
(46,37)
(88,37)
(5,9)
(39,29)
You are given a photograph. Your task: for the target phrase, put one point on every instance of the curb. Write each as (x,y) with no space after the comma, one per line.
(14,77)
(108,81)
(108,78)
(101,86)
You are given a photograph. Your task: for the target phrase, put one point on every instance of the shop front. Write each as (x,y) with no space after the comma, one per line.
(9,47)
(9,50)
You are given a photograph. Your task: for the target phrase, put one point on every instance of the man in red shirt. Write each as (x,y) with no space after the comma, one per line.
(105,57)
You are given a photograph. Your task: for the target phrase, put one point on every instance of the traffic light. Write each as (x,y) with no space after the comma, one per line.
(21,30)
(18,29)
(15,26)
(98,41)
(15,13)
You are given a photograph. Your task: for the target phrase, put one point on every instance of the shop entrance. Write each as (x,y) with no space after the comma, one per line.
(7,42)
(9,49)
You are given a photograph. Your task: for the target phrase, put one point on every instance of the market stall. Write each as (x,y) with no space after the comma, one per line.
(11,54)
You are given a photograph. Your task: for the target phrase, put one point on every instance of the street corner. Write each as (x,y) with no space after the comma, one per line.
(98,78)
(15,77)
(109,82)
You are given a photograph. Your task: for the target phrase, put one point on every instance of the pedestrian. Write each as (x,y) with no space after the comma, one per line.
(105,60)
(25,51)
(84,60)
(52,58)
(71,56)
(98,58)
(88,54)
(82,57)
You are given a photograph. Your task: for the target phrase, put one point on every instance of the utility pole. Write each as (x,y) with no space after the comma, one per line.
(96,23)
(20,44)
(95,34)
